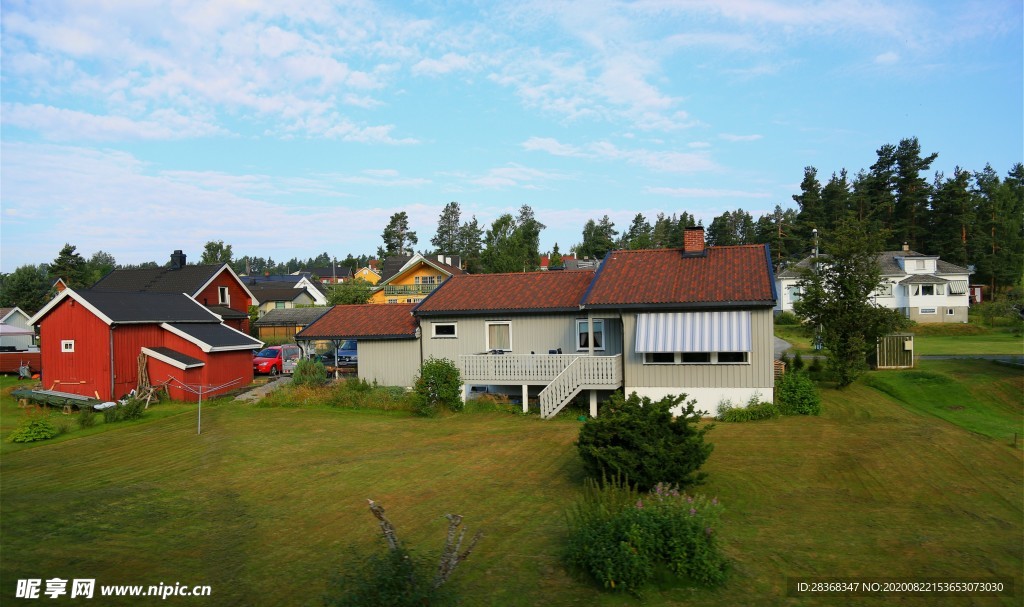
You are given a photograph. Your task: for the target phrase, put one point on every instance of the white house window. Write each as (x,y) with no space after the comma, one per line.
(918,264)
(67,345)
(443,329)
(279,305)
(794,294)
(659,358)
(499,336)
(582,336)
(696,358)
(223,296)
(950,312)
(393,300)
(927,310)
(884,290)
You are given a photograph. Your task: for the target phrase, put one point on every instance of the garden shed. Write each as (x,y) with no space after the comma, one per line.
(895,351)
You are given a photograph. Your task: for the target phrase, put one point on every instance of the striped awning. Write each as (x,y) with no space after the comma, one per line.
(693,332)
(957,287)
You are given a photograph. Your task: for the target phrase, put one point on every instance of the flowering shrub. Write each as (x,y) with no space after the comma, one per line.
(619,537)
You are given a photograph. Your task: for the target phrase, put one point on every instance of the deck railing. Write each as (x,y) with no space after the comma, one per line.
(514,368)
(589,372)
(409,289)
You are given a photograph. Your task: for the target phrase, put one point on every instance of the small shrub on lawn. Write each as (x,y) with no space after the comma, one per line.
(393,577)
(34,429)
(488,403)
(64,424)
(349,393)
(438,385)
(798,362)
(112,414)
(784,359)
(642,442)
(621,537)
(752,412)
(309,372)
(133,408)
(796,394)
(86,417)
(786,318)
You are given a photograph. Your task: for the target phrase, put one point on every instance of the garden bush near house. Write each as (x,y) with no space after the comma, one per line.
(796,394)
(643,443)
(309,372)
(86,417)
(752,412)
(786,318)
(349,394)
(438,385)
(621,537)
(33,429)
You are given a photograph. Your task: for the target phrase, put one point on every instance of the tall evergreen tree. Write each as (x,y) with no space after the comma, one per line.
(398,238)
(951,230)
(470,246)
(731,228)
(598,239)
(811,215)
(528,234)
(555,259)
(639,234)
(71,267)
(446,240)
(912,191)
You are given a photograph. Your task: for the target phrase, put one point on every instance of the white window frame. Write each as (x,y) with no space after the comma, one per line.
(677,359)
(950,312)
(487,334)
(919,264)
(745,361)
(67,346)
(580,332)
(453,325)
(884,290)
(224,296)
(649,358)
(927,311)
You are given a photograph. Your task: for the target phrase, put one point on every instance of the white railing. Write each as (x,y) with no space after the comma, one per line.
(594,372)
(514,368)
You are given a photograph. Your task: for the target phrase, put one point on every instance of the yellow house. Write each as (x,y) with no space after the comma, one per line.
(368,274)
(415,279)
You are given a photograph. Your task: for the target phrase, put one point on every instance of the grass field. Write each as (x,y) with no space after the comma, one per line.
(931,340)
(264,503)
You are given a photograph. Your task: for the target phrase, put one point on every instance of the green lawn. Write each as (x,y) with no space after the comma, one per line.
(935,340)
(264,503)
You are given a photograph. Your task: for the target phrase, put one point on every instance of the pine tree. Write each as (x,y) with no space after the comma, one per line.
(398,238)
(446,240)
(71,267)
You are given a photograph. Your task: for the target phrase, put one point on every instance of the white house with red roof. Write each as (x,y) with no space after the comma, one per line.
(694,320)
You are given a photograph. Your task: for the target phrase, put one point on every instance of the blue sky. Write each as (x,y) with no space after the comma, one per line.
(139,127)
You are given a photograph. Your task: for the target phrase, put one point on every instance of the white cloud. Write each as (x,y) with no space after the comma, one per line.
(887,58)
(739,138)
(655,160)
(450,62)
(64,125)
(705,193)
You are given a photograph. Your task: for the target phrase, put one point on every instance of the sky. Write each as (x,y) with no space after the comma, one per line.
(289,129)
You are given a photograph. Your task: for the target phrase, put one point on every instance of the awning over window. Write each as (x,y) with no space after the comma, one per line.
(957,287)
(693,332)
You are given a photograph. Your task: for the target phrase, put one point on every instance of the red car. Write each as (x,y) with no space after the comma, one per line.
(276,359)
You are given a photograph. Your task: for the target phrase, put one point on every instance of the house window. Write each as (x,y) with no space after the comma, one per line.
(927,310)
(659,358)
(582,335)
(927,289)
(918,264)
(499,336)
(279,305)
(443,329)
(950,312)
(794,294)
(696,357)
(393,300)
(223,296)
(732,358)
(67,345)
(884,290)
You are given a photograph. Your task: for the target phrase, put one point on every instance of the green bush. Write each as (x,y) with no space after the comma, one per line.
(133,408)
(643,443)
(798,362)
(784,359)
(786,318)
(31,430)
(397,578)
(350,393)
(621,537)
(86,417)
(439,384)
(63,423)
(309,372)
(752,412)
(796,394)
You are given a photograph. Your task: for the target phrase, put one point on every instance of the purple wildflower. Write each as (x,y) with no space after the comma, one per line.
(693,511)
(639,504)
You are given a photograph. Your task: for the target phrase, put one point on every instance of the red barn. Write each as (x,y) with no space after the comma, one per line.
(91,342)
(215,286)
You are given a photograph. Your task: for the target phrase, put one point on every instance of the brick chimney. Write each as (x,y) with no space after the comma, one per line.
(177,259)
(693,240)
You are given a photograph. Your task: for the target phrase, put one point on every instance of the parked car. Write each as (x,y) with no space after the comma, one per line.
(276,359)
(346,355)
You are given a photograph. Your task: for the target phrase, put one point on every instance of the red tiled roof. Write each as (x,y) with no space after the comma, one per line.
(367,321)
(724,275)
(531,291)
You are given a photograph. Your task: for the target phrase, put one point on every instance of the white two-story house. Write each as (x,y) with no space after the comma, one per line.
(923,287)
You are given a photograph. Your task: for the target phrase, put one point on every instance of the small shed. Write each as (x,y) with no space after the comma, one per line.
(895,351)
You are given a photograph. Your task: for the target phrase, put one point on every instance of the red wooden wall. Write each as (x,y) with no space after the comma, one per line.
(240,300)
(85,371)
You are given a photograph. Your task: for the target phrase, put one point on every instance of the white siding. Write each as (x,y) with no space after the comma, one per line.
(392,362)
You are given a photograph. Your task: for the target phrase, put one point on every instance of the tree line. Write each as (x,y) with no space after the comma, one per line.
(969,218)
